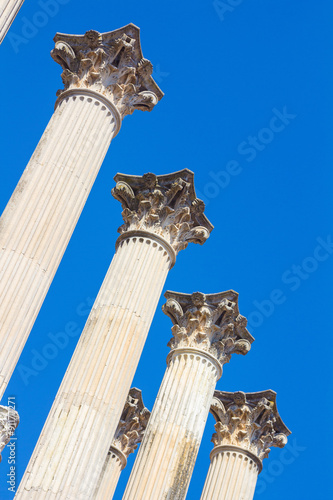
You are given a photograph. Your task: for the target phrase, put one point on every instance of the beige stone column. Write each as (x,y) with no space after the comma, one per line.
(129,433)
(8,11)
(207,330)
(9,420)
(105,79)
(247,426)
(161,215)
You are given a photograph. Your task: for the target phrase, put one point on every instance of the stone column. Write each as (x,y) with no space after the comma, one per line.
(8,11)
(247,426)
(9,420)
(105,79)
(207,330)
(129,433)
(161,216)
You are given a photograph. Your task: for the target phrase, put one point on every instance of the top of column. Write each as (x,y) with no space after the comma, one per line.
(210,323)
(132,424)
(249,421)
(165,205)
(111,64)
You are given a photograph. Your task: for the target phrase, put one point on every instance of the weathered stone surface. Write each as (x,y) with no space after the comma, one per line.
(165,205)
(41,215)
(95,387)
(105,78)
(128,436)
(250,421)
(247,426)
(167,454)
(110,63)
(211,323)
(88,406)
(232,475)
(132,424)
(207,329)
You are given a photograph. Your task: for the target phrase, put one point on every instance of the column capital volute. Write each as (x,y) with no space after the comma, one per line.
(163,205)
(249,421)
(131,427)
(9,420)
(210,323)
(111,64)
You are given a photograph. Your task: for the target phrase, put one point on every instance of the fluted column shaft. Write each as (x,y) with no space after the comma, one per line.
(8,11)
(70,454)
(167,455)
(232,474)
(113,466)
(42,213)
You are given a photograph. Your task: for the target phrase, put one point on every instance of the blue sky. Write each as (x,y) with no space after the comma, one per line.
(248,107)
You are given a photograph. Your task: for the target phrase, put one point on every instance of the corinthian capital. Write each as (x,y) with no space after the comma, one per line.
(250,421)
(165,205)
(9,420)
(211,323)
(132,424)
(110,63)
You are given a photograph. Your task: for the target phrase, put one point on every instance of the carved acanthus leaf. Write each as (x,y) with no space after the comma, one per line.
(250,421)
(208,322)
(132,424)
(110,63)
(9,420)
(165,205)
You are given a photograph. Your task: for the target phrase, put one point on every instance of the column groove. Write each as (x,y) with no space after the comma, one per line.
(37,225)
(232,476)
